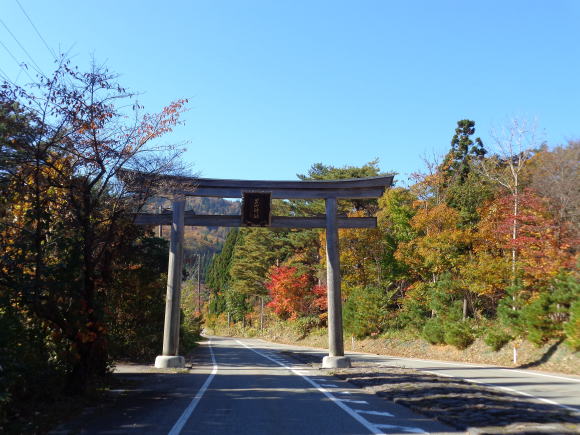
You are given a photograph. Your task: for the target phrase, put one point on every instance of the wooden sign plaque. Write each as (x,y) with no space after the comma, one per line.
(256,209)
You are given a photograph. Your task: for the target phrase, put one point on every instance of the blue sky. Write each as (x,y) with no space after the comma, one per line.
(277,86)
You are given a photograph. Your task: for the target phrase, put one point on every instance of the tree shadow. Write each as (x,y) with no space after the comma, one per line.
(545,357)
(457,402)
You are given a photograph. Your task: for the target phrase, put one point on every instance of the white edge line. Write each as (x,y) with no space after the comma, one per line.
(371,427)
(542,374)
(469,366)
(178,426)
(445,375)
(541,399)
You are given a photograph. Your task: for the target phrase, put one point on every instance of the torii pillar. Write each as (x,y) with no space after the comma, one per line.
(335,358)
(170,357)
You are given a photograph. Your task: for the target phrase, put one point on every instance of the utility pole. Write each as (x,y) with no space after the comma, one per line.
(261,313)
(199,282)
(160,229)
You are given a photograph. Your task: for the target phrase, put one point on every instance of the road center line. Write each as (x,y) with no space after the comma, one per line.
(178,426)
(373,428)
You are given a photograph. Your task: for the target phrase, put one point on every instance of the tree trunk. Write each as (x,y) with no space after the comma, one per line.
(91,362)
(514,256)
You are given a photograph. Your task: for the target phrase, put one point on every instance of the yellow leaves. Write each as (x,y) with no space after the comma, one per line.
(440,244)
(487,274)
(436,219)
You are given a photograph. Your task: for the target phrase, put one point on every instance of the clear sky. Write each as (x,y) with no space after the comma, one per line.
(275,86)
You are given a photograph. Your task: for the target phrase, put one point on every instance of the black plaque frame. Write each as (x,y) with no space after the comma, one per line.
(256,209)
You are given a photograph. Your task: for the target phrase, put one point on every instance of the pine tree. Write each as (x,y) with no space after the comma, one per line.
(254,254)
(218,274)
(464,188)
(458,161)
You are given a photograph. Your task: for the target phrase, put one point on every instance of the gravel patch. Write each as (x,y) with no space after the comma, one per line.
(464,405)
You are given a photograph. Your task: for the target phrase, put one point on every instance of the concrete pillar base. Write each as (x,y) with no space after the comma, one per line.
(169,362)
(335,362)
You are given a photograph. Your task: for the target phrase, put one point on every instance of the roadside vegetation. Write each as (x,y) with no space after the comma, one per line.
(480,248)
(80,285)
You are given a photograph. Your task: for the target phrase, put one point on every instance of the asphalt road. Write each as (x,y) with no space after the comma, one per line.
(245,387)
(553,388)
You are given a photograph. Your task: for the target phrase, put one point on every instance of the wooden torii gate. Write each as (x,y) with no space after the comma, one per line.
(256,196)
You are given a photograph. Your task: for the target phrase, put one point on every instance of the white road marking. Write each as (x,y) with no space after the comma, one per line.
(402,428)
(382,413)
(358,402)
(445,375)
(373,428)
(329,385)
(543,374)
(541,399)
(178,426)
(468,366)
(511,390)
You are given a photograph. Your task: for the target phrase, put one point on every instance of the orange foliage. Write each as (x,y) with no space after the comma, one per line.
(540,252)
(292,293)
(440,244)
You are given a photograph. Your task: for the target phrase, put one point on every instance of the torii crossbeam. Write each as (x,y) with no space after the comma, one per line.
(256,195)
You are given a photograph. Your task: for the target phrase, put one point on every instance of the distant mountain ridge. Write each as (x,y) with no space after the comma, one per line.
(205,241)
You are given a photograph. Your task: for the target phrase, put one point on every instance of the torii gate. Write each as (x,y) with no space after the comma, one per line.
(256,196)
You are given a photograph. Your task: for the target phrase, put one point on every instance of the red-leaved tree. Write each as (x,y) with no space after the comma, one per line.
(293,294)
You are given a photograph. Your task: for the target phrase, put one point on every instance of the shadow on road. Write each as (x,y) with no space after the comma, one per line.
(456,402)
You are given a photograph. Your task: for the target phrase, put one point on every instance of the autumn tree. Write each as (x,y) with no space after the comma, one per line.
(290,292)
(67,214)
(555,175)
(514,145)
(135,299)
(257,251)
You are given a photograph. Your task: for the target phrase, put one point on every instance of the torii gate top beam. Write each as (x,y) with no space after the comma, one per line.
(356,188)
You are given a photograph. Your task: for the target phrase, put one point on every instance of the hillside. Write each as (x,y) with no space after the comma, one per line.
(205,241)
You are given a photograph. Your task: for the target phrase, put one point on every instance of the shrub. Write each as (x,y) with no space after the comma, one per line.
(497,339)
(433,331)
(572,327)
(191,325)
(303,325)
(366,310)
(459,335)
